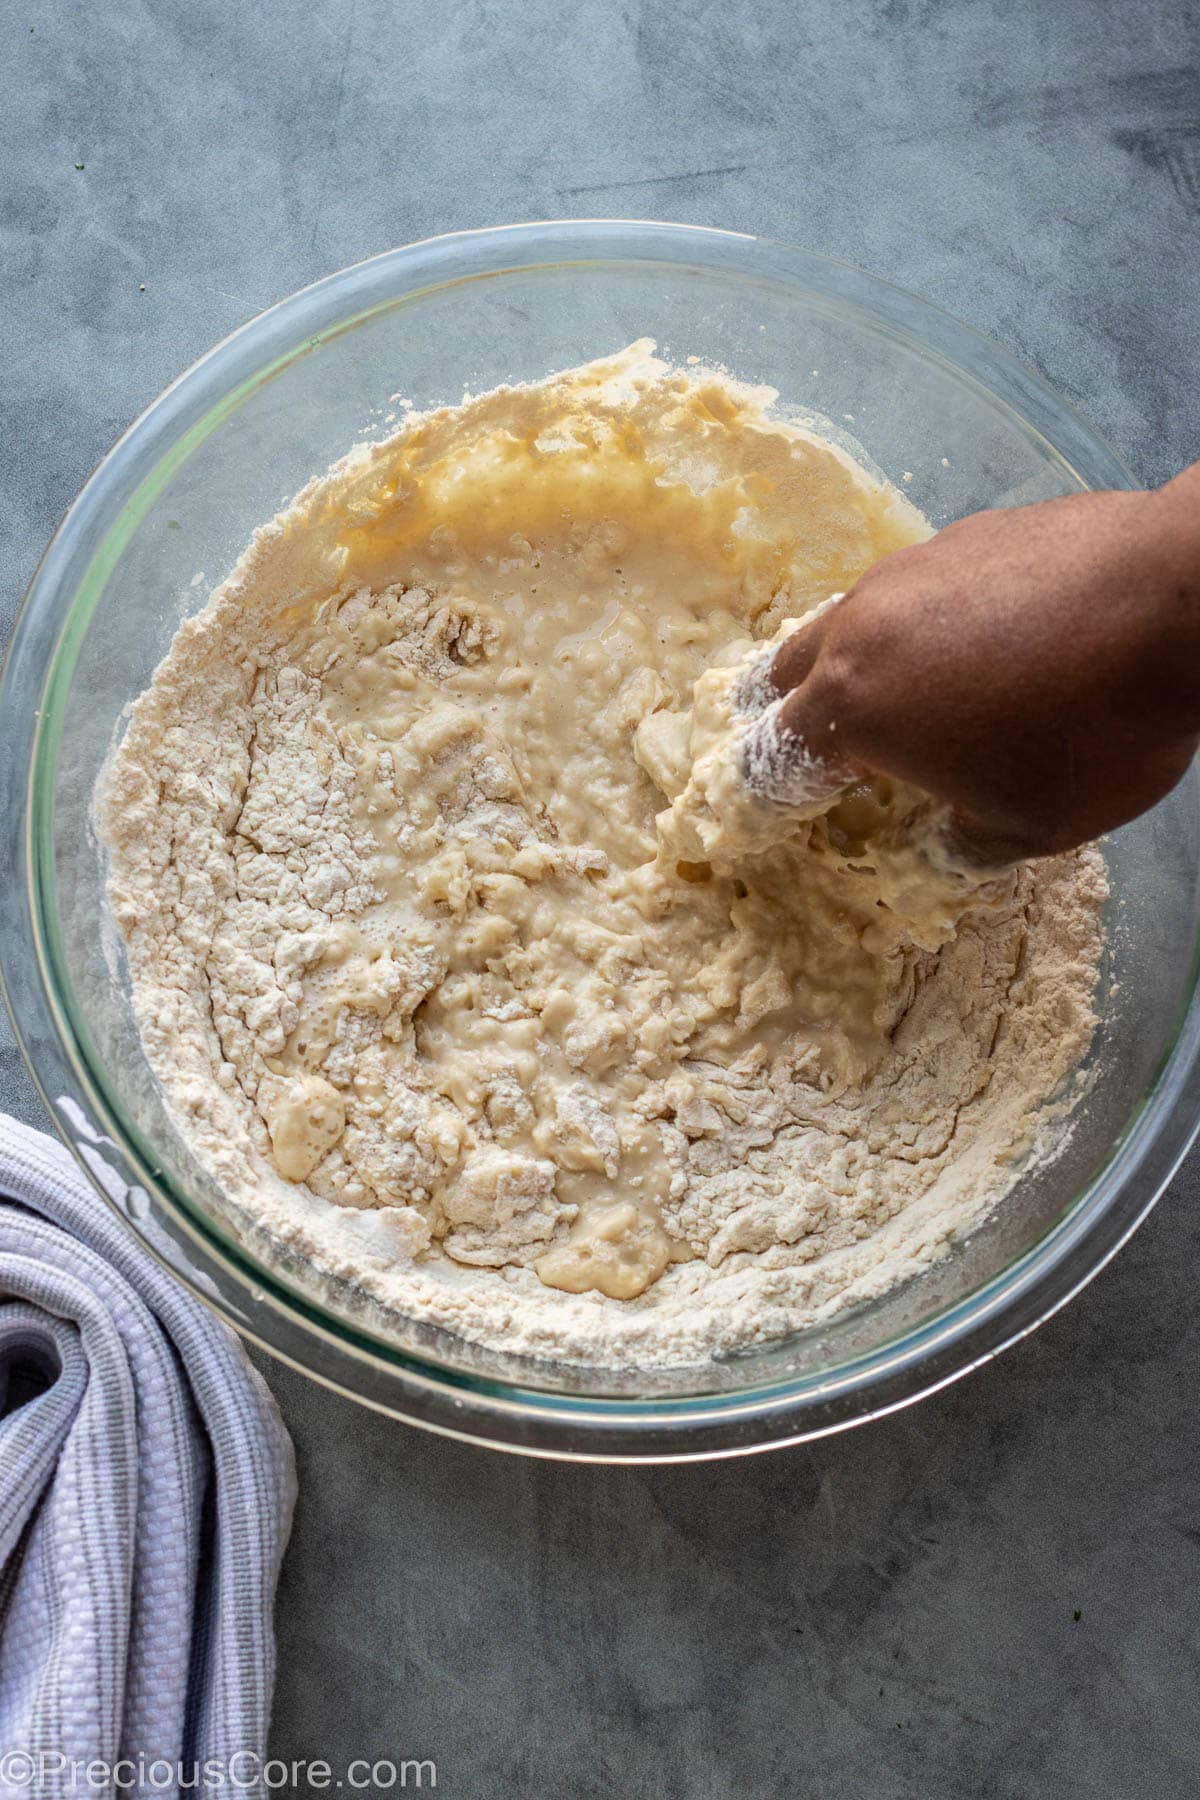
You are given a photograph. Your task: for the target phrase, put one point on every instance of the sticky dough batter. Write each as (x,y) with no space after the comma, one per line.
(457,982)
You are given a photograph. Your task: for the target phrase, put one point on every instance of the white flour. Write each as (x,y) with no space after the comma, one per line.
(435,998)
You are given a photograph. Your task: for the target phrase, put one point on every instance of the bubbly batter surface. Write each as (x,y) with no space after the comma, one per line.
(445,980)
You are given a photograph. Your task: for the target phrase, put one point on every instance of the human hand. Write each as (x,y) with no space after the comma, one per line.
(1038,669)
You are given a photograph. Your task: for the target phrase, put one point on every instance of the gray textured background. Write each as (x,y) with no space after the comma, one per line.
(995,1594)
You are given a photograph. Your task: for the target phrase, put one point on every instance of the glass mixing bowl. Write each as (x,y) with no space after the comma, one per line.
(950,417)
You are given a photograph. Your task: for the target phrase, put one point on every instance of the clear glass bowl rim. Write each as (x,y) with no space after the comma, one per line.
(266,1309)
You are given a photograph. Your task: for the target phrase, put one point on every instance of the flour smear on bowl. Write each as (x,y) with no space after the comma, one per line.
(437,985)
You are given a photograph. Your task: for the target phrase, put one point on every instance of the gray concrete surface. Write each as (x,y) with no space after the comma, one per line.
(995,1594)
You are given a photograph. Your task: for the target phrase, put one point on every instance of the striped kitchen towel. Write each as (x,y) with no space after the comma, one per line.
(146,1492)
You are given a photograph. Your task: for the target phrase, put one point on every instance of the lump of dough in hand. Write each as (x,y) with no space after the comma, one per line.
(305,1116)
(736,783)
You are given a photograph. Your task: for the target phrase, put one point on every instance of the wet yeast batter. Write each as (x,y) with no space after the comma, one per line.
(406,938)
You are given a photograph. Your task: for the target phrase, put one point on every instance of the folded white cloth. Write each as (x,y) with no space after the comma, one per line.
(146,1492)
